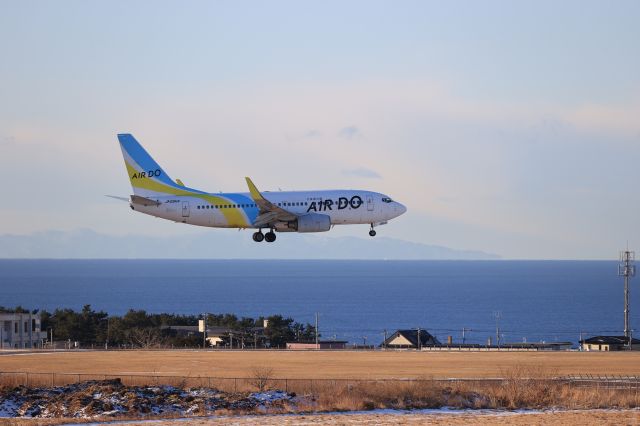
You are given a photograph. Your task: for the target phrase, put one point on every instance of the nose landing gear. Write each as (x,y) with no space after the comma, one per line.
(372,232)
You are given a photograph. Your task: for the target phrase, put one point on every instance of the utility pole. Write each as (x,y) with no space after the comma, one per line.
(464,330)
(497,315)
(419,340)
(384,342)
(580,341)
(317,346)
(202,326)
(627,269)
(30,330)
(106,342)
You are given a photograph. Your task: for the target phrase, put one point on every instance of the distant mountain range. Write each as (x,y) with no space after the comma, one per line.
(84,243)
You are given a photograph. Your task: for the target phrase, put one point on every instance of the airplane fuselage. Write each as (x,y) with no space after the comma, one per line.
(238,210)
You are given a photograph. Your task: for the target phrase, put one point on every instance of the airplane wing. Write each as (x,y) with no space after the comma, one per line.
(269,212)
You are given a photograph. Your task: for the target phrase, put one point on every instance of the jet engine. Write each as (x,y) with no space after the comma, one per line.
(311,222)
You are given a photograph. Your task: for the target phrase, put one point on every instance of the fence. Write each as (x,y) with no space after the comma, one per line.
(604,382)
(228,384)
(301,386)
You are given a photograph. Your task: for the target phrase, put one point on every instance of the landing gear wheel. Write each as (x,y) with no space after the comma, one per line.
(372,233)
(270,237)
(258,236)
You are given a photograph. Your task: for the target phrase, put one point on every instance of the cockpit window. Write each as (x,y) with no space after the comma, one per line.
(387,200)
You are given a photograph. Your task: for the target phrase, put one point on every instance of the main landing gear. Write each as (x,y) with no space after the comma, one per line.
(372,232)
(268,237)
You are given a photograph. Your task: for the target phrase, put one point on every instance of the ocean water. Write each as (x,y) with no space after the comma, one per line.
(356,300)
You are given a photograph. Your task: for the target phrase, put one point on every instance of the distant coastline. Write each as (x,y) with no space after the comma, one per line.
(88,244)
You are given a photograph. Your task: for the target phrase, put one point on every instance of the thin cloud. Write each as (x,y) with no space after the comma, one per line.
(313,134)
(363,173)
(349,132)
(7,140)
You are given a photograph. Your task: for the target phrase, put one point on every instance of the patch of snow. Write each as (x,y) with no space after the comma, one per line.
(270,396)
(111,413)
(191,409)
(9,408)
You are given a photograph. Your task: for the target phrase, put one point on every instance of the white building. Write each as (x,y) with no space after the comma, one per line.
(20,331)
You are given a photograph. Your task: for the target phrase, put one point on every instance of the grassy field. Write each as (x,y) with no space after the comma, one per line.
(516,391)
(334,364)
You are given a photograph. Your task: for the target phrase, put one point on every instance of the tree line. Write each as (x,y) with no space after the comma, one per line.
(141,329)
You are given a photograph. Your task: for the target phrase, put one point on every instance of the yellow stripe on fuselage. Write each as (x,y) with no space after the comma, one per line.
(233,216)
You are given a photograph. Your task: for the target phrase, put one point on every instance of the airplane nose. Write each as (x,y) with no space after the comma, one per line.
(400,209)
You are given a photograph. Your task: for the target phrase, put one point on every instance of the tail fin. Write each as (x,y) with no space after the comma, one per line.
(146,176)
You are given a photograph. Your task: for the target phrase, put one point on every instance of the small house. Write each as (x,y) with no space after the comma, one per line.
(414,338)
(609,343)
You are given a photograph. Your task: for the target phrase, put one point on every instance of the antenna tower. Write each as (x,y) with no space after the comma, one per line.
(497,315)
(627,269)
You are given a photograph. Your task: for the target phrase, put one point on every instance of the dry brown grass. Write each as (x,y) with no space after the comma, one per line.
(527,376)
(552,418)
(522,388)
(324,364)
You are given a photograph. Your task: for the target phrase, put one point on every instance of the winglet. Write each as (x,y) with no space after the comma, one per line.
(255,194)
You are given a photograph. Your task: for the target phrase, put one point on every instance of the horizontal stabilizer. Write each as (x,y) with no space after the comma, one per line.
(136,199)
(118,198)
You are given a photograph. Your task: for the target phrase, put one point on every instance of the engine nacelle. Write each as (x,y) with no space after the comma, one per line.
(312,222)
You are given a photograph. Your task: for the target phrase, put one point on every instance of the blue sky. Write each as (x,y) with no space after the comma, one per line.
(508,127)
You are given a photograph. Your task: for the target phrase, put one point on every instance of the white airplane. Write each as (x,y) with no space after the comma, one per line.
(156,194)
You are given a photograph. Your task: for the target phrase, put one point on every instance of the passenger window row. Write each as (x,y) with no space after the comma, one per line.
(242,206)
(225,206)
(292,204)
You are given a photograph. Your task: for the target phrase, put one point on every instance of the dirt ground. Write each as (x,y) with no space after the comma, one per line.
(322,364)
(601,417)
(631,417)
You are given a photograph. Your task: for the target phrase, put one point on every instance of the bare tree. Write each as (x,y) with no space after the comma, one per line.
(144,338)
(260,377)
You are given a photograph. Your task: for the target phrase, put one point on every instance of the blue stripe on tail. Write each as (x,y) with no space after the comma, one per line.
(142,157)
